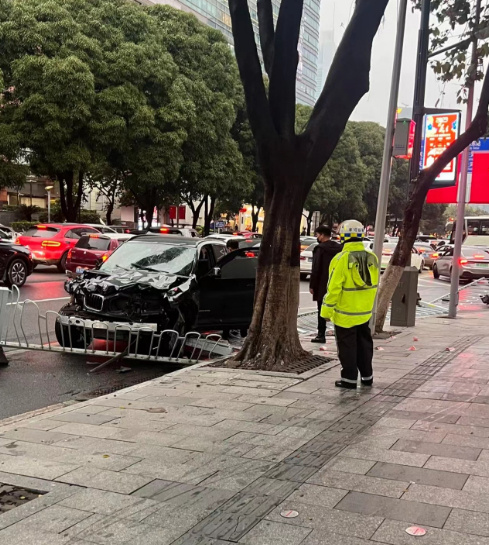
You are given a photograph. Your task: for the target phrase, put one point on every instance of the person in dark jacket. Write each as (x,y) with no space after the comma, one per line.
(323,254)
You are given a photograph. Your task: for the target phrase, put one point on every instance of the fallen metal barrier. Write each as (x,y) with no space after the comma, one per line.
(474,284)
(95,338)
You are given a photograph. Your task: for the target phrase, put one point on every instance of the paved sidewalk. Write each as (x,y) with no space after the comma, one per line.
(211,456)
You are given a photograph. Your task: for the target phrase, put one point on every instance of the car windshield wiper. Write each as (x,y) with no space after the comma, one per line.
(144,268)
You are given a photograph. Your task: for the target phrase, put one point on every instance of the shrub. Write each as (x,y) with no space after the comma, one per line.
(21,226)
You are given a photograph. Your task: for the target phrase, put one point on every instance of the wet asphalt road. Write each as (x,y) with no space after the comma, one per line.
(38,379)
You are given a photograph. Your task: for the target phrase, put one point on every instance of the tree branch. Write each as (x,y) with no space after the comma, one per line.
(347,82)
(284,69)
(267,32)
(251,74)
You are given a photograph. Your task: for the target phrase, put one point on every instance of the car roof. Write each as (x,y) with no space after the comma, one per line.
(111,236)
(165,239)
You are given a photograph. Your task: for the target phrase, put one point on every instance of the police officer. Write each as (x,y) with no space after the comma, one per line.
(352,286)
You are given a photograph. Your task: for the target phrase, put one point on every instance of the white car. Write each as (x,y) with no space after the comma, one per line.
(306,261)
(387,251)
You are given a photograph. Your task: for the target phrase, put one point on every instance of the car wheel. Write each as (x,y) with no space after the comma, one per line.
(436,274)
(62,263)
(304,276)
(16,273)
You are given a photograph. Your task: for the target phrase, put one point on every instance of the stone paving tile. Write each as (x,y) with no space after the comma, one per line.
(389,456)
(90,445)
(477,484)
(332,520)
(472,501)
(34,436)
(394,533)
(32,467)
(13,537)
(360,483)
(451,428)
(318,495)
(67,455)
(112,481)
(446,450)
(468,522)
(274,533)
(54,519)
(443,479)
(409,511)
(99,501)
(350,465)
(82,417)
(480,468)
(325,537)
(469,441)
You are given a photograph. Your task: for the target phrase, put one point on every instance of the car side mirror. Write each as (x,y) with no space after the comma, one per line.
(216,272)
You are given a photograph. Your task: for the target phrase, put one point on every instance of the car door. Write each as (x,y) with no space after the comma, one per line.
(227,292)
(416,259)
(444,262)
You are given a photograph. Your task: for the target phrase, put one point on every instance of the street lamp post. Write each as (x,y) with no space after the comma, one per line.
(48,189)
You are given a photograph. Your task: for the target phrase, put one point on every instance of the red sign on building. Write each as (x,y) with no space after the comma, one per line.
(440,131)
(172,212)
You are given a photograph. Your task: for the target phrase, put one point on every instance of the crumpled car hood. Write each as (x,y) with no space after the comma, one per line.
(93,280)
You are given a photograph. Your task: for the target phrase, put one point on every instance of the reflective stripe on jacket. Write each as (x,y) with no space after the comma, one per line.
(352,286)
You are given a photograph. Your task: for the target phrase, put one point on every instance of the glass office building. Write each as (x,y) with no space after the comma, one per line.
(215,13)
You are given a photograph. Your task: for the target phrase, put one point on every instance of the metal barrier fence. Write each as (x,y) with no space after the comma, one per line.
(96,338)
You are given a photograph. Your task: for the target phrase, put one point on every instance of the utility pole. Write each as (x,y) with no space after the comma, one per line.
(420,87)
(462,188)
(385,176)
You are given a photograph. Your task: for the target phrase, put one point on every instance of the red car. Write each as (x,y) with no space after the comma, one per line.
(49,243)
(91,250)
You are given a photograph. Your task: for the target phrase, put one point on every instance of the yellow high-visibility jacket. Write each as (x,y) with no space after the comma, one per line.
(352,286)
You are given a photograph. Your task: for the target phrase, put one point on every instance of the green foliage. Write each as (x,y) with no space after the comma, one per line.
(22,226)
(454,22)
(25,211)
(150,92)
(433,219)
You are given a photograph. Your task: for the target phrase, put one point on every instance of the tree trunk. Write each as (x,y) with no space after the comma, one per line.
(273,340)
(254,217)
(108,212)
(196,213)
(402,253)
(309,222)
(209,214)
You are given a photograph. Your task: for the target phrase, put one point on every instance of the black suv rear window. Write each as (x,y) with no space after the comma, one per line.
(48,232)
(93,243)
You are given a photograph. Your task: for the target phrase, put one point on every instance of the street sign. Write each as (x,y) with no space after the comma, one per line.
(439,132)
(172,212)
(220,224)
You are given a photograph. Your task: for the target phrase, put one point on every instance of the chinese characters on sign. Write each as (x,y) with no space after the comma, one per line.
(440,131)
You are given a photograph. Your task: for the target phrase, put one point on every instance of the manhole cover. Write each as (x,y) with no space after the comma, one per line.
(14,496)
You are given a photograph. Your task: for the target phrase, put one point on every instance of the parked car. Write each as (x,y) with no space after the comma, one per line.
(428,253)
(15,264)
(90,250)
(474,263)
(166,283)
(169,230)
(306,261)
(101,228)
(51,242)
(7,233)
(306,242)
(387,251)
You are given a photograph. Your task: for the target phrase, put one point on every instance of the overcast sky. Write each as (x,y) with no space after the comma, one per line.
(335,14)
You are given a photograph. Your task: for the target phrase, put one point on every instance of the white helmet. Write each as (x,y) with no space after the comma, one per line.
(351,230)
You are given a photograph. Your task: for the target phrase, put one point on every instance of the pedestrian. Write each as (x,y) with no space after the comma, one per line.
(232,245)
(349,301)
(321,259)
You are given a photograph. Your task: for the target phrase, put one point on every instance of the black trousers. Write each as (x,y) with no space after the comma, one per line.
(321,321)
(355,351)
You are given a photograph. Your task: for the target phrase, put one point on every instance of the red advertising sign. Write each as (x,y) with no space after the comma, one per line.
(172,212)
(440,131)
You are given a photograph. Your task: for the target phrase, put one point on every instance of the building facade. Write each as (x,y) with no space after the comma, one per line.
(215,13)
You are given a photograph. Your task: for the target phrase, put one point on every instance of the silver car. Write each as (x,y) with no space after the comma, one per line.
(474,263)
(306,261)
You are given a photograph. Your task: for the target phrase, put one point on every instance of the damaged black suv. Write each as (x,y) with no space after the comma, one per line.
(184,284)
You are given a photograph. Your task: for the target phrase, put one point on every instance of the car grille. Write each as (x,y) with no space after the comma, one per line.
(93,301)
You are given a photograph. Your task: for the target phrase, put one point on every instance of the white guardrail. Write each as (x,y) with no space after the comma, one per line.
(24,326)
